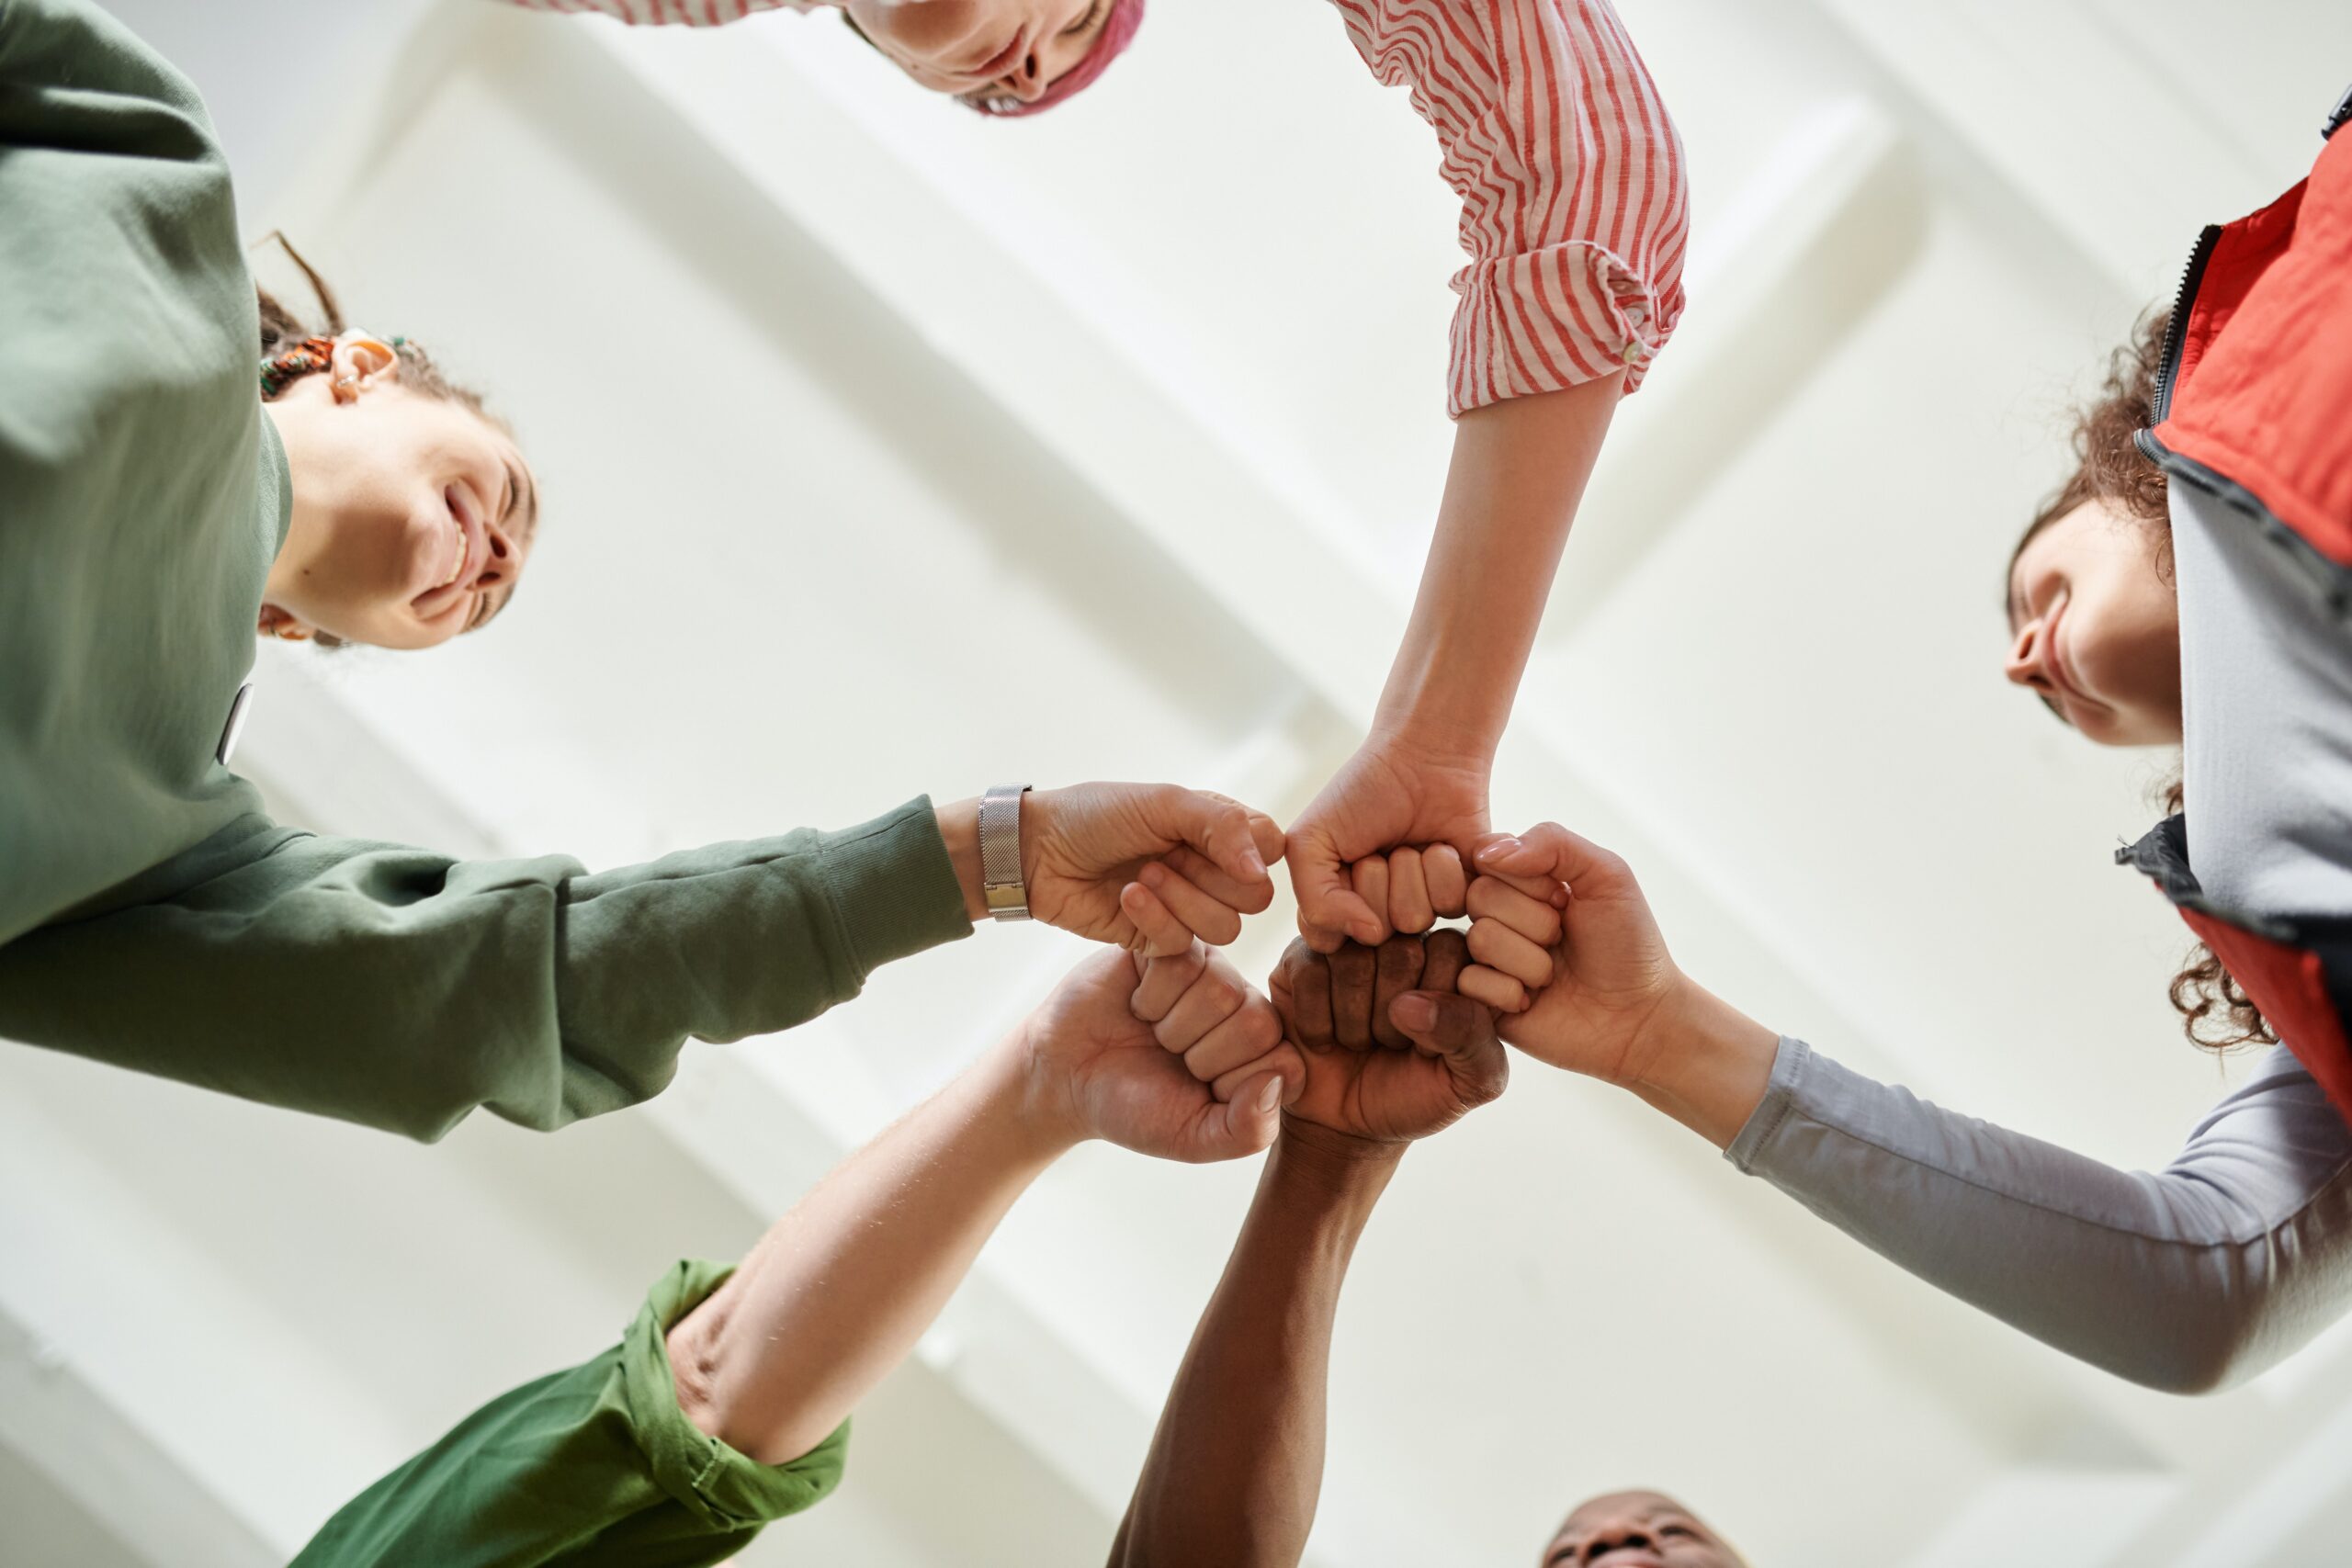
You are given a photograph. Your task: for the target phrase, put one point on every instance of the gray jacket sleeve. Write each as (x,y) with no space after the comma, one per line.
(2187,1279)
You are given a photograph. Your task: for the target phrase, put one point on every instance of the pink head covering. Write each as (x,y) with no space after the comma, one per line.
(1118,32)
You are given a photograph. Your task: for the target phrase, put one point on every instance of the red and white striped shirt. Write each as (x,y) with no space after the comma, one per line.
(1575,208)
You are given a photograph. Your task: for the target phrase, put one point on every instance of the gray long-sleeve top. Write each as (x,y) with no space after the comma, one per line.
(2186,1279)
(2238,1252)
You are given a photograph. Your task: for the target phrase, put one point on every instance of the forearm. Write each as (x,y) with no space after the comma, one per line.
(1705,1064)
(1517,473)
(2187,1279)
(1238,1458)
(532,987)
(839,1291)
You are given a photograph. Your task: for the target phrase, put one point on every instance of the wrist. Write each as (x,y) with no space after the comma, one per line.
(1023,1094)
(1342,1159)
(1435,729)
(1705,1064)
(959,829)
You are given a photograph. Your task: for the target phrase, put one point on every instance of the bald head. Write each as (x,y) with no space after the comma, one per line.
(1636,1529)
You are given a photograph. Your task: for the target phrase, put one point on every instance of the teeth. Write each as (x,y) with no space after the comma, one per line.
(458,565)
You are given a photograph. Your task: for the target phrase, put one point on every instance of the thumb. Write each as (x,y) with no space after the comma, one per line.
(1241,1126)
(1462,1033)
(1223,830)
(1442,1025)
(1550,851)
(1329,905)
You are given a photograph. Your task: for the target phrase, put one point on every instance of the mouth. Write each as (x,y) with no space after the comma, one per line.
(465,544)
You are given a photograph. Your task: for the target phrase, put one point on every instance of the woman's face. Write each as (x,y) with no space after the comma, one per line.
(2095,627)
(983,49)
(414,516)
(1636,1529)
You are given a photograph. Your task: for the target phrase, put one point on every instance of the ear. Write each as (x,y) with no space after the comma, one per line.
(362,361)
(282,623)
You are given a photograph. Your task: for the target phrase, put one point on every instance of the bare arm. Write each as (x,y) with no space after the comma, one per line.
(837,1293)
(1238,1460)
(1517,473)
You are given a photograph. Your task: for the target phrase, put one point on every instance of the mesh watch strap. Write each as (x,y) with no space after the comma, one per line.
(1000,878)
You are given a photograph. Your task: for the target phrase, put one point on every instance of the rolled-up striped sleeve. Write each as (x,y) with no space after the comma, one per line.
(1575,206)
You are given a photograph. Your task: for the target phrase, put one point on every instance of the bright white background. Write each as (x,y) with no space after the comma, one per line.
(886,450)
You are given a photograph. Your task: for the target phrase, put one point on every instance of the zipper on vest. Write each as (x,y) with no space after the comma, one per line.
(2176,329)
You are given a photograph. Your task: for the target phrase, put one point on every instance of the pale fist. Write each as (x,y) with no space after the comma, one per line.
(1389,793)
(1375,1069)
(1581,988)
(1204,860)
(1096,1070)
(1228,1036)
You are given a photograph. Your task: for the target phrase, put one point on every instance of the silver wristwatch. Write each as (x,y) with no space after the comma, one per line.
(1000,878)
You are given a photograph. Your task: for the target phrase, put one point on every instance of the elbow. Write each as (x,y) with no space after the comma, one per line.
(2199,1353)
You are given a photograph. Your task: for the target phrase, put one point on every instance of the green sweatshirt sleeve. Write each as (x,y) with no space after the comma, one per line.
(595,1467)
(400,988)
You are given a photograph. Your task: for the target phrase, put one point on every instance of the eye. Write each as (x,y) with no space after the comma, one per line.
(1093,13)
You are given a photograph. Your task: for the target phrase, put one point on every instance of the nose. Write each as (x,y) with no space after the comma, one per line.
(2024,664)
(1607,1537)
(1025,80)
(502,559)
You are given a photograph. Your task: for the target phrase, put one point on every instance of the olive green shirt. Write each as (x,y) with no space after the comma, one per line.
(151,913)
(589,1467)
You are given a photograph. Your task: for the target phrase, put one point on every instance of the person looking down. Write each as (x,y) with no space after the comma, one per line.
(2240,1250)
(726,1404)
(182,465)
(1007,57)
(2189,584)
(1576,221)
(1236,1464)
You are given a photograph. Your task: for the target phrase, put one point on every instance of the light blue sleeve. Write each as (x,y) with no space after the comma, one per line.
(2186,1279)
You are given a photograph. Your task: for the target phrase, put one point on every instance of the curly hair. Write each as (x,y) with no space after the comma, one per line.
(2110,468)
(2215,1012)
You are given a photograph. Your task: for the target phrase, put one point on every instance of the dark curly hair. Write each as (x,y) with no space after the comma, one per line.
(2110,468)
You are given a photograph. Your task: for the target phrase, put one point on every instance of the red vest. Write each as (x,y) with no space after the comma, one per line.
(2254,405)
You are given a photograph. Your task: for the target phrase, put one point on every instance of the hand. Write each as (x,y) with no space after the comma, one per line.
(1595,979)
(1201,1008)
(1201,857)
(1391,792)
(1413,887)
(1376,1070)
(1094,1069)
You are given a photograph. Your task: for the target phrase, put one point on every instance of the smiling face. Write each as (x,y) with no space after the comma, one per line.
(984,51)
(412,518)
(2094,626)
(1636,1529)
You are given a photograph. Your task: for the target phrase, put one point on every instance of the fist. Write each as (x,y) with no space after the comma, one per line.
(1392,1051)
(1094,1069)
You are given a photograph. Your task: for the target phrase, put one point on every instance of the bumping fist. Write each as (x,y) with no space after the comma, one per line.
(1393,1052)
(1199,1009)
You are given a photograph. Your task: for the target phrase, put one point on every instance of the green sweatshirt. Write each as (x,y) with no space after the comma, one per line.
(151,913)
(594,1467)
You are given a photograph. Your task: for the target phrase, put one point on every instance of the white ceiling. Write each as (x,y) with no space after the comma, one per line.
(814,369)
